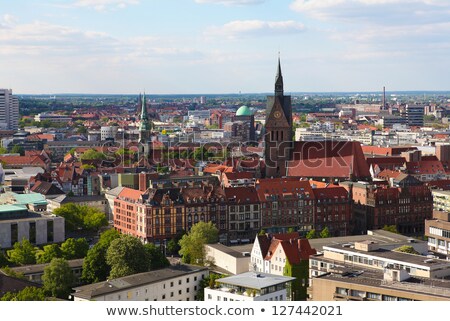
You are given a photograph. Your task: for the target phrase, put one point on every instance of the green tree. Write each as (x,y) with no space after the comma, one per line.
(58,278)
(30,293)
(3,259)
(156,257)
(193,244)
(3,150)
(108,236)
(311,234)
(74,248)
(407,249)
(202,153)
(325,233)
(172,246)
(48,253)
(262,232)
(10,272)
(209,281)
(127,255)
(16,149)
(390,228)
(95,268)
(92,154)
(81,217)
(93,218)
(72,216)
(23,253)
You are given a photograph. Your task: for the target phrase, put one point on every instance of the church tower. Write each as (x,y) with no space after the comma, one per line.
(278,134)
(145,128)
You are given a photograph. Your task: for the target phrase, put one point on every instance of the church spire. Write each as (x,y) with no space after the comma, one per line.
(144,116)
(279,80)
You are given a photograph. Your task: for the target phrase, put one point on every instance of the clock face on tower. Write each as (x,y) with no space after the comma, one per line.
(277,114)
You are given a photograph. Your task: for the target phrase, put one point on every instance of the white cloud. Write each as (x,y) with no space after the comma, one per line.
(246,28)
(380,11)
(102,5)
(231,2)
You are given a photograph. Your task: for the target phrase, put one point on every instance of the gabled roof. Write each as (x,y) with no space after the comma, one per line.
(329,158)
(46,188)
(242,195)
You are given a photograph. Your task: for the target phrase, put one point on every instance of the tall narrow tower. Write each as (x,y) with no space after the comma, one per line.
(278,134)
(145,125)
(145,128)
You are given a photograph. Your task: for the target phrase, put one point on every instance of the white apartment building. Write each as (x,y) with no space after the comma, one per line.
(249,286)
(9,110)
(174,283)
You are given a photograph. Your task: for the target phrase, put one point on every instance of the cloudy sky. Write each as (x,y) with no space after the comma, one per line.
(223,46)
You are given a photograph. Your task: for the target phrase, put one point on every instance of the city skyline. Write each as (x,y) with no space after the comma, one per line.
(223,46)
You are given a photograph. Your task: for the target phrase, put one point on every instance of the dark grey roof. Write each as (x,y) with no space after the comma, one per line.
(10,284)
(103,288)
(39,268)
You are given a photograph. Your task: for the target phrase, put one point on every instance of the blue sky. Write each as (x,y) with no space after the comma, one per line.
(223,46)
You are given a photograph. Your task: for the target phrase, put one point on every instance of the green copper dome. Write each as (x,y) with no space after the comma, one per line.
(244,111)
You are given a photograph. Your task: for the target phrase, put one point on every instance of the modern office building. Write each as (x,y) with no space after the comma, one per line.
(250,286)
(9,110)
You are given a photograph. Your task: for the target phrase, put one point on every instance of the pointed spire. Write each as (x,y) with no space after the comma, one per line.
(144,115)
(279,79)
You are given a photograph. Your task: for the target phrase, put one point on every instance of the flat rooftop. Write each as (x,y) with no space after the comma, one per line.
(234,251)
(398,257)
(383,238)
(375,278)
(255,280)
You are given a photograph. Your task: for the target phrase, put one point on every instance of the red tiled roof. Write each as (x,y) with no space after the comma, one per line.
(238,175)
(425,167)
(242,195)
(328,193)
(282,187)
(328,159)
(387,174)
(23,160)
(131,194)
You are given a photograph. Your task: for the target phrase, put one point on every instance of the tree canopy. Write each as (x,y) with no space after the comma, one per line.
(30,293)
(74,248)
(58,278)
(193,244)
(407,249)
(81,217)
(312,234)
(325,233)
(95,268)
(127,255)
(390,228)
(23,253)
(48,253)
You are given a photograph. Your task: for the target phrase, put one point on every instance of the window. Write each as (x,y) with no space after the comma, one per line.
(163,296)
(180,291)
(171,294)
(171,284)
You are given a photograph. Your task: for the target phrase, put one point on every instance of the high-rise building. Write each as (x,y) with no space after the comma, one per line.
(414,114)
(278,136)
(9,110)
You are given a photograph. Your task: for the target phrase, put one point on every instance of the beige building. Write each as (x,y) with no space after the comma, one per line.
(227,259)
(175,283)
(369,255)
(438,232)
(373,285)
